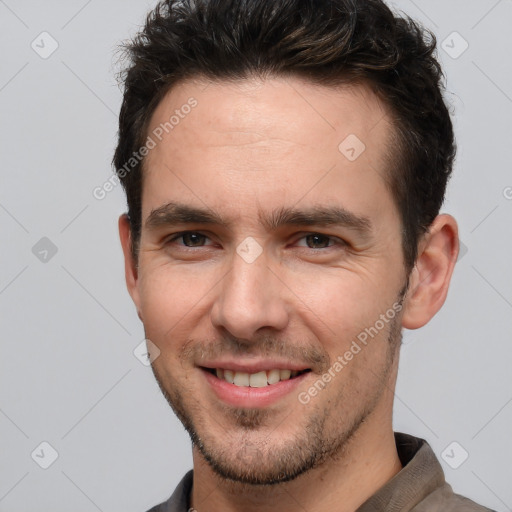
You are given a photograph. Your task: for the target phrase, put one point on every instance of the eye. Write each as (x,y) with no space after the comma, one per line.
(320,241)
(189,238)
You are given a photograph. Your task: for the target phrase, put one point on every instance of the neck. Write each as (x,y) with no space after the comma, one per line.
(368,461)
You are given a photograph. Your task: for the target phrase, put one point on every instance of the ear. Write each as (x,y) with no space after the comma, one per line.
(130,266)
(431,275)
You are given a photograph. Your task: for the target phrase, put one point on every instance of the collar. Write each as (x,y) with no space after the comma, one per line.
(421,475)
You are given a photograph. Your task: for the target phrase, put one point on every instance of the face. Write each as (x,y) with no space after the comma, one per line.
(270,271)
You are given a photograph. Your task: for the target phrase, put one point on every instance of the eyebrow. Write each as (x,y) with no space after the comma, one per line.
(174,213)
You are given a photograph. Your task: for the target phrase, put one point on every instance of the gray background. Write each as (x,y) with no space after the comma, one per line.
(68,327)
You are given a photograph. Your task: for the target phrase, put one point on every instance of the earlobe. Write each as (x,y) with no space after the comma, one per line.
(130,266)
(431,275)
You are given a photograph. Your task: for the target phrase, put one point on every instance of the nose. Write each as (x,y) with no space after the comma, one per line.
(251,297)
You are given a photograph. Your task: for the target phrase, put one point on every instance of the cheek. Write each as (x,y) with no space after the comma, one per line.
(169,298)
(166,303)
(339,304)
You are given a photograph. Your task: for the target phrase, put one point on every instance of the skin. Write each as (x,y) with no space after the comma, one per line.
(246,150)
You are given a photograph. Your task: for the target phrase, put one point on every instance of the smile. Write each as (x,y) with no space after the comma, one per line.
(256,389)
(260,379)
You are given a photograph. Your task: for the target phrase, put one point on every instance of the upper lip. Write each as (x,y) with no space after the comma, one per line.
(254,366)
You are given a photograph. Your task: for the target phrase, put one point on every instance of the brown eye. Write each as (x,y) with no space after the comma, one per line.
(317,240)
(320,241)
(190,239)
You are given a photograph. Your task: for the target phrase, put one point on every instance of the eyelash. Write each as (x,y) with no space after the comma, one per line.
(336,240)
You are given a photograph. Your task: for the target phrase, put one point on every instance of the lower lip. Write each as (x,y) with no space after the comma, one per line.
(252,397)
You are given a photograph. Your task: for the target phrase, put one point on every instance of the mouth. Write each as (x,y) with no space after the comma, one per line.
(257,389)
(261,379)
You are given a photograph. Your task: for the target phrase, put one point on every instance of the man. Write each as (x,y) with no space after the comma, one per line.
(284,164)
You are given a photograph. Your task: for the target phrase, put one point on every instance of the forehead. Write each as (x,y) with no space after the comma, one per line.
(247,138)
(276,107)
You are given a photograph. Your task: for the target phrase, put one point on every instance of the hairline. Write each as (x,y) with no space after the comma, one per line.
(392,165)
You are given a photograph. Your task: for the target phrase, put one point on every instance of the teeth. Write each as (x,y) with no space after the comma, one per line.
(255,380)
(241,379)
(284,374)
(273,376)
(229,376)
(258,380)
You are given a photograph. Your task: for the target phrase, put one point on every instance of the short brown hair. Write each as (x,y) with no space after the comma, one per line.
(329,42)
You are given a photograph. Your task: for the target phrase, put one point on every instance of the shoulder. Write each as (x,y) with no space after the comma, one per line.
(180,499)
(445,500)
